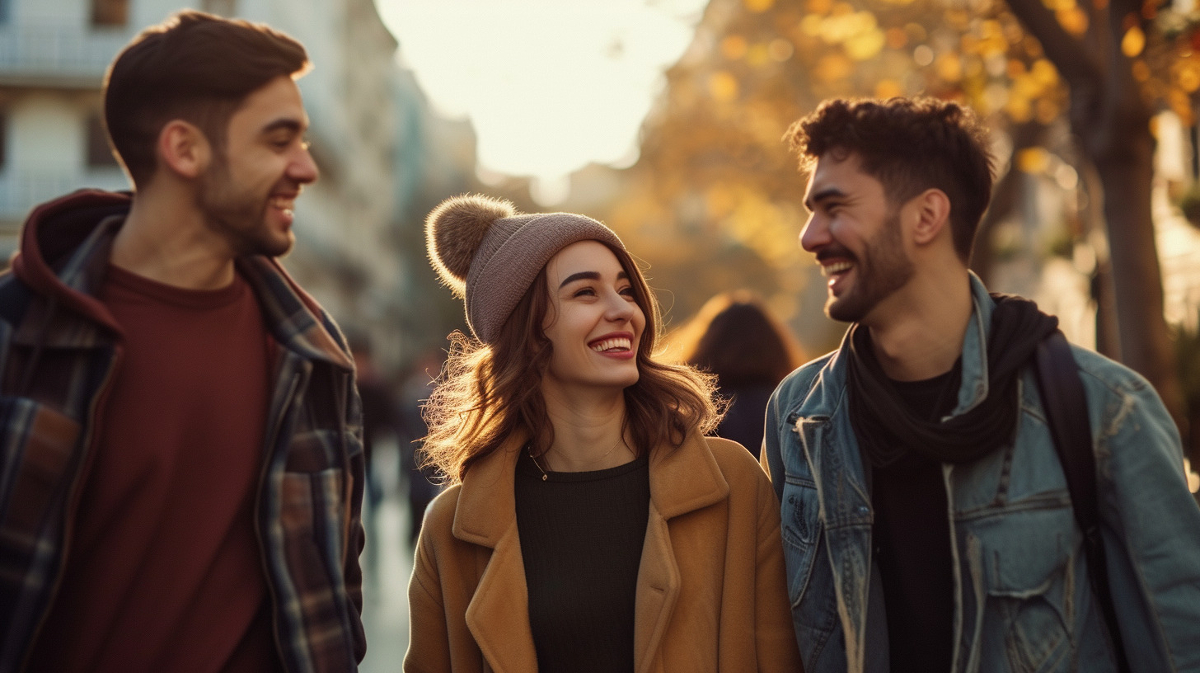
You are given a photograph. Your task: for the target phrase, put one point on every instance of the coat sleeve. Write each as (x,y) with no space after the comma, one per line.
(428,632)
(776,637)
(1151,530)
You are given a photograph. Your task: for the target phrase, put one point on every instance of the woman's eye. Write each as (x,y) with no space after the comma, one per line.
(627,292)
(584,292)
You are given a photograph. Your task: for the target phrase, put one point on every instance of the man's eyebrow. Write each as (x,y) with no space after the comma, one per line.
(589,275)
(822,195)
(286,123)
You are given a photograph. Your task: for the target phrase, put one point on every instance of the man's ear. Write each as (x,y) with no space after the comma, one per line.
(933,215)
(183,149)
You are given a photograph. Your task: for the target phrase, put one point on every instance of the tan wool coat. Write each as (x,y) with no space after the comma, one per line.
(711,592)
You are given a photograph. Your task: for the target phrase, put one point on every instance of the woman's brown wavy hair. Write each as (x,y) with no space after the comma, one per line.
(488,392)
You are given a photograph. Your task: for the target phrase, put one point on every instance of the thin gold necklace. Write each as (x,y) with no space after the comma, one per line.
(546,477)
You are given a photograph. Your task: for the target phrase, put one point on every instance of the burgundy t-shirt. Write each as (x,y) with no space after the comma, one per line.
(163,571)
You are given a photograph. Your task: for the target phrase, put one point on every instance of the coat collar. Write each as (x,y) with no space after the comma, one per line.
(974,387)
(65,249)
(295,319)
(682,479)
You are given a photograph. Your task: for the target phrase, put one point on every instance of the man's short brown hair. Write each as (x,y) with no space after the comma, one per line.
(194,66)
(909,145)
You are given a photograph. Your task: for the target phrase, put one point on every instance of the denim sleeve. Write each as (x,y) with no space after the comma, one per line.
(769,457)
(1151,530)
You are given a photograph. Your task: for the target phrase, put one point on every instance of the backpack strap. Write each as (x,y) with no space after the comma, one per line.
(1065,404)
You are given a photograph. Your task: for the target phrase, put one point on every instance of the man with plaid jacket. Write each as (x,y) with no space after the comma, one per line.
(181,469)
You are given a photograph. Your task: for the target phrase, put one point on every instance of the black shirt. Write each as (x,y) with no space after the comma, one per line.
(581,541)
(912,545)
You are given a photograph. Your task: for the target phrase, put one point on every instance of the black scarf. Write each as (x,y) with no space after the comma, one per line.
(885,426)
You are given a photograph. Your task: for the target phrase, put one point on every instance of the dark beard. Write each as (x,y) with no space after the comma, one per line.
(882,269)
(238,217)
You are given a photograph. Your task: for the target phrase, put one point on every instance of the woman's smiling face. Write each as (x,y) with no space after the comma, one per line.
(594,322)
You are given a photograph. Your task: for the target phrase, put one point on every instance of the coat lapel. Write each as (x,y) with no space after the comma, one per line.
(682,480)
(498,615)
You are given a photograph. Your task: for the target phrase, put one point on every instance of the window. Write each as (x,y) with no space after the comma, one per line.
(109,12)
(99,154)
(218,7)
(3,137)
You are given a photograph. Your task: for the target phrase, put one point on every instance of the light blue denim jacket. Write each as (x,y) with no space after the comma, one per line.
(1022,596)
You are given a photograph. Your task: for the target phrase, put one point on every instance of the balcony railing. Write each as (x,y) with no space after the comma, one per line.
(20,192)
(46,52)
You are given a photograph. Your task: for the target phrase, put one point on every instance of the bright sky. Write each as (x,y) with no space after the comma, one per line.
(549,85)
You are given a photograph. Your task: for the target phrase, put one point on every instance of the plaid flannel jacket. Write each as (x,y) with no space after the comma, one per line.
(56,363)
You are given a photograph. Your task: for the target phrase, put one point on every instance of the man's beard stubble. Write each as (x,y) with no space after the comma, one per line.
(882,269)
(239,217)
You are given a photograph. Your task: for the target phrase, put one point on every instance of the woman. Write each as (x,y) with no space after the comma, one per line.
(734,337)
(590,526)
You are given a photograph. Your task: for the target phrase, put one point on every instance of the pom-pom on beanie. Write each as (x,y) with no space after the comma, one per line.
(489,254)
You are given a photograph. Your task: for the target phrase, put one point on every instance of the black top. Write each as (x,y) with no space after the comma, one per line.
(912,544)
(581,542)
(743,422)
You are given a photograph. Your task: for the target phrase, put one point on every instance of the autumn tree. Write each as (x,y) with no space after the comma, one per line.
(714,176)
(1115,82)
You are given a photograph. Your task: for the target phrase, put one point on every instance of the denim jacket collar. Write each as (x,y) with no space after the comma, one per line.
(974,388)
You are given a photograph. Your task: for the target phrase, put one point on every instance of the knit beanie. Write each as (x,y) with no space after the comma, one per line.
(489,254)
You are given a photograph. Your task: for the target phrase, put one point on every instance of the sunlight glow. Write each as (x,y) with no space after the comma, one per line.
(548,85)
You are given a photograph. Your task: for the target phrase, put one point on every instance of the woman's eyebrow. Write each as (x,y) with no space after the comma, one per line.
(582,275)
(589,275)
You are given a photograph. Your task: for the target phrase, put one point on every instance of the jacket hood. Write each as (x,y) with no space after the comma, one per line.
(66,245)
(55,234)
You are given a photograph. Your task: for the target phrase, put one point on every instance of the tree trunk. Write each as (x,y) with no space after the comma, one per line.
(1103,289)
(1004,198)
(1112,123)
(1145,344)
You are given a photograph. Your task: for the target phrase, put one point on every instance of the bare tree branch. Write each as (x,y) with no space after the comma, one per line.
(1070,55)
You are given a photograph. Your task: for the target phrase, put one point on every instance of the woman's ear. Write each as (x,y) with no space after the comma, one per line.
(932,215)
(183,149)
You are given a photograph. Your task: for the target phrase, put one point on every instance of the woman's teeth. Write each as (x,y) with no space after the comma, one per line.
(620,344)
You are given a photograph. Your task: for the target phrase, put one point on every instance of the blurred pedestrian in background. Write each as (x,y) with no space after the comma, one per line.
(381,423)
(422,482)
(181,471)
(736,338)
(590,526)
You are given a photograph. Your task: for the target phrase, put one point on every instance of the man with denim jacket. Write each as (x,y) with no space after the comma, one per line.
(927,523)
(181,469)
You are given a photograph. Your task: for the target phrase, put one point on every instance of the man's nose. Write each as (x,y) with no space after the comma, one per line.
(815,234)
(303,168)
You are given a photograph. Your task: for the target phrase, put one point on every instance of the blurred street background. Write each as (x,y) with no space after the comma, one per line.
(663,119)
(387,564)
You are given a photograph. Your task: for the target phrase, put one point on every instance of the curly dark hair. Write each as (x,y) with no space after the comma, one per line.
(909,145)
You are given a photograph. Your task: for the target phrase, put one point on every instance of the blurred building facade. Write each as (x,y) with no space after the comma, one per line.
(383,152)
